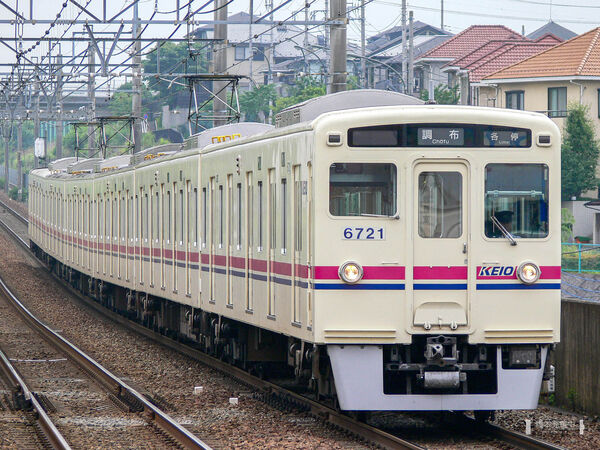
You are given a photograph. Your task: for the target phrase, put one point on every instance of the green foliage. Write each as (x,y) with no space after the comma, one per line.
(13,193)
(174,58)
(572,396)
(255,104)
(444,95)
(551,399)
(304,88)
(566,225)
(148,140)
(579,153)
(2,183)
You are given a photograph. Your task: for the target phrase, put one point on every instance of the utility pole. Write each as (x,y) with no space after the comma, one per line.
(250,48)
(36,118)
(59,107)
(363,46)
(20,158)
(442,15)
(404,48)
(411,68)
(337,65)
(220,64)
(91,95)
(136,97)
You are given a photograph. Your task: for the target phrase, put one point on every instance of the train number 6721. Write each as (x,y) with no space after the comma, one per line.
(364,233)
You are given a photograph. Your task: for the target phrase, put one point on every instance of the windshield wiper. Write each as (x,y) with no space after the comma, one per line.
(504,231)
(395,216)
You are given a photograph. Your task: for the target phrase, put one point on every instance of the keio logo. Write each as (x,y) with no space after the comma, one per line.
(497,271)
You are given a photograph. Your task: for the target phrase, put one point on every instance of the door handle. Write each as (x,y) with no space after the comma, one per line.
(464,247)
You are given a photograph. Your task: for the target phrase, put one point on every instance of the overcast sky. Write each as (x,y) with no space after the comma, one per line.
(577,15)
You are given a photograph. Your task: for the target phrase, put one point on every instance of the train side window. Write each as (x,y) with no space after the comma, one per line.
(168,216)
(155,216)
(180,218)
(517,196)
(115,217)
(357,189)
(147,216)
(204,217)
(260,216)
(221,206)
(272,209)
(283,215)
(130,221)
(239,216)
(440,204)
(195,216)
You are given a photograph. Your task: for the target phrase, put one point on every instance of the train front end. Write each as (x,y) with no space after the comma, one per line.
(437,255)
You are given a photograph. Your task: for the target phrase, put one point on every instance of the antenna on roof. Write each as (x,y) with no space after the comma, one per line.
(523,30)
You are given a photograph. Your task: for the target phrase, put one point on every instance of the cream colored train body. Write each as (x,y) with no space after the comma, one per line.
(398,257)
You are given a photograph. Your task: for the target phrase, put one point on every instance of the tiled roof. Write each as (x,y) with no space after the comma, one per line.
(549,37)
(471,38)
(503,57)
(579,56)
(486,49)
(553,28)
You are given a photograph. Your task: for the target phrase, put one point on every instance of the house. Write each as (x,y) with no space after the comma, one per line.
(551,27)
(547,83)
(384,55)
(460,45)
(285,41)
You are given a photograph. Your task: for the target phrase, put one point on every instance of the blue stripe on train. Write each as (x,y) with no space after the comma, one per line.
(498,286)
(438,286)
(388,286)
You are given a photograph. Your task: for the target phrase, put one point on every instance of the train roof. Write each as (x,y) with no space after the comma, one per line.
(358,98)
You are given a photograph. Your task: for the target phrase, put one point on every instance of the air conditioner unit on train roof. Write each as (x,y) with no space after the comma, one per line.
(358,98)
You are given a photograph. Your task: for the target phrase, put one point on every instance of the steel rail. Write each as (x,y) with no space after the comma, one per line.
(334,417)
(379,437)
(520,440)
(104,377)
(14,212)
(54,436)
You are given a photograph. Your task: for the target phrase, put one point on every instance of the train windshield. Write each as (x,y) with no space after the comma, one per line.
(357,189)
(517,196)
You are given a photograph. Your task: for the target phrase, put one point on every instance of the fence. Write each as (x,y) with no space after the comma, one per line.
(580,257)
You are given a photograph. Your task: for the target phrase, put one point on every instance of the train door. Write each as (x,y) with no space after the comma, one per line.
(440,246)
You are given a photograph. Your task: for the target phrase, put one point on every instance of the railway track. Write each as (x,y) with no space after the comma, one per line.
(282,395)
(120,392)
(24,400)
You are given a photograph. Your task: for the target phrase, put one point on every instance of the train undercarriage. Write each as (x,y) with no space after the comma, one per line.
(433,373)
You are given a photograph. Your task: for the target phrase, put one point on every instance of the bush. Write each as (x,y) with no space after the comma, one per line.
(14,193)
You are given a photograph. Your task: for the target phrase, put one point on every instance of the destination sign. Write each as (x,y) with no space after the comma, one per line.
(441,136)
(505,138)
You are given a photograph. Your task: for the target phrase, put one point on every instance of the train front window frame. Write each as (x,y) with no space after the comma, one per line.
(517,195)
(363,189)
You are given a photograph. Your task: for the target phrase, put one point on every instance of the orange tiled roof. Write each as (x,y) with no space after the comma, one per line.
(579,56)
(471,38)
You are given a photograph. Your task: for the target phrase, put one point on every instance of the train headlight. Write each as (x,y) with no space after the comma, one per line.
(350,272)
(528,272)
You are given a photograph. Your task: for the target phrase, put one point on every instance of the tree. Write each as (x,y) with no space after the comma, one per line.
(174,58)
(304,88)
(444,95)
(579,153)
(255,104)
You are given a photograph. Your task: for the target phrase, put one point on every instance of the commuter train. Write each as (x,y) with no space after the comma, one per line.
(380,254)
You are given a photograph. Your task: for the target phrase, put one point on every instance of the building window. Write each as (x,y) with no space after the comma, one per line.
(557,102)
(515,100)
(242,53)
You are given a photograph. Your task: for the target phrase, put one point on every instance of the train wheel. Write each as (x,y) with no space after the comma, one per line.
(484,415)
